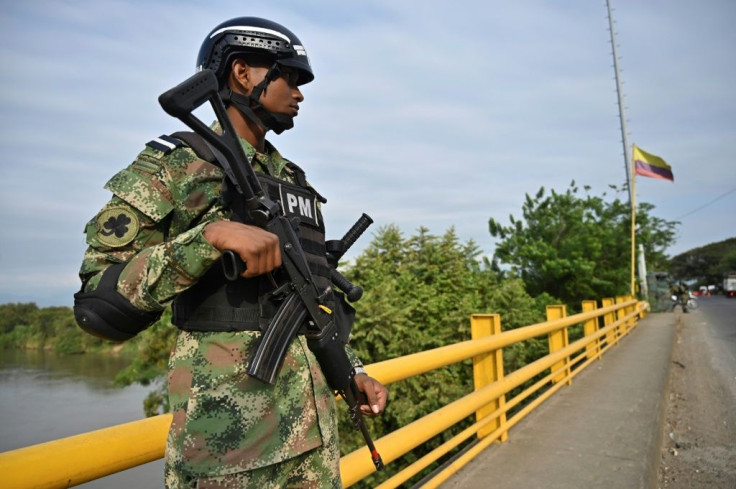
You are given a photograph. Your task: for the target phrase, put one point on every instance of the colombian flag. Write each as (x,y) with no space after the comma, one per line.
(648,165)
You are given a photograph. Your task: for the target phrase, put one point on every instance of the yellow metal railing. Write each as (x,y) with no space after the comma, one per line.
(560,361)
(81,458)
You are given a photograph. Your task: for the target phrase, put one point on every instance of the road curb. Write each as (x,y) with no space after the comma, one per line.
(655,457)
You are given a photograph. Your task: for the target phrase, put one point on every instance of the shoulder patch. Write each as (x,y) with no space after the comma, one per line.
(165,144)
(117,226)
(145,165)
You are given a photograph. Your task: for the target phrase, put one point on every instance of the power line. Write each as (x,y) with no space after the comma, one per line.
(707,204)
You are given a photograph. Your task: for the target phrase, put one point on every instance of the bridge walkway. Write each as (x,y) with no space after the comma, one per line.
(602,431)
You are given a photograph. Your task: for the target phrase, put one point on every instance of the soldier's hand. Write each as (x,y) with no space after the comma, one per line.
(258,248)
(375,393)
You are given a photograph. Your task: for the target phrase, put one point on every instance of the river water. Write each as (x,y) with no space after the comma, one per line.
(44,397)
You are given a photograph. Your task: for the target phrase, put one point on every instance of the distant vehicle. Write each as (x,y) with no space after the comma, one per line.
(709,290)
(729,284)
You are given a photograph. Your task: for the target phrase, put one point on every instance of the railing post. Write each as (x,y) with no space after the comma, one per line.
(557,341)
(622,328)
(593,348)
(630,310)
(488,368)
(608,319)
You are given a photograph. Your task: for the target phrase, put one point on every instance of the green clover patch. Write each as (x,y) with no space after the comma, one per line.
(117,226)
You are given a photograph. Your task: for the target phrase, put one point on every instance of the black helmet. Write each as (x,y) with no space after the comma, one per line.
(255,36)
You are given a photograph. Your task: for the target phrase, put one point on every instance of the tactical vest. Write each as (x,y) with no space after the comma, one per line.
(216,304)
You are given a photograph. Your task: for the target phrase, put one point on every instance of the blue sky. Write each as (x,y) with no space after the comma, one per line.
(428,113)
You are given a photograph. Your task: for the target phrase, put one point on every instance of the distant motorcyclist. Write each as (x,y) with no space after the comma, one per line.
(680,295)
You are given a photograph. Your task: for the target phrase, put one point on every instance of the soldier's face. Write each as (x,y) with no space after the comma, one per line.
(282,95)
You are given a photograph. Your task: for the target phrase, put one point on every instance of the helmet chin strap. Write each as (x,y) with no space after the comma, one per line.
(251,107)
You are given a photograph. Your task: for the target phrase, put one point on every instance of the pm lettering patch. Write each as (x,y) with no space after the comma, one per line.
(297,202)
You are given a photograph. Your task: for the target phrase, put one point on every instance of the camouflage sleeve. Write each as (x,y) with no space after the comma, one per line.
(135,227)
(156,271)
(353,357)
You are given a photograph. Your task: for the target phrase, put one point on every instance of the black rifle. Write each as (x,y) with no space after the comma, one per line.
(302,299)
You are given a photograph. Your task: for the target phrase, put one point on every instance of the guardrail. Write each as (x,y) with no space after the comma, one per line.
(81,458)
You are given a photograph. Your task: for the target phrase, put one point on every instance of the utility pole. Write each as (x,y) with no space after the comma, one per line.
(621,114)
(625,141)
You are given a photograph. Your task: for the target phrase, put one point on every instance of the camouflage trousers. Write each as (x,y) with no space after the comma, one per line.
(318,468)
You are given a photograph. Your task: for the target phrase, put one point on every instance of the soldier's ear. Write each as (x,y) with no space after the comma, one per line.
(240,79)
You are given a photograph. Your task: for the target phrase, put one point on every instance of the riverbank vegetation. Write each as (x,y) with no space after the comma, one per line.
(25,326)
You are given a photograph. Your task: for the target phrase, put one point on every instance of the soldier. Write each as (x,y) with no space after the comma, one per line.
(155,243)
(681,295)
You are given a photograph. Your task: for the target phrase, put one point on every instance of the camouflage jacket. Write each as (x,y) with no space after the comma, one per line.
(223,421)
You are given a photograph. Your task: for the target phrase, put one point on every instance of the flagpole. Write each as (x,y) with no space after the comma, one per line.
(633,228)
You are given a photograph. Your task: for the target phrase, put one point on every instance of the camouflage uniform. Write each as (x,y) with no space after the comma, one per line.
(683,296)
(224,422)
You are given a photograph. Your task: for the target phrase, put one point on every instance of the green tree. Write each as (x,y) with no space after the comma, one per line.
(68,337)
(728,260)
(577,247)
(16,314)
(48,322)
(419,294)
(656,234)
(705,265)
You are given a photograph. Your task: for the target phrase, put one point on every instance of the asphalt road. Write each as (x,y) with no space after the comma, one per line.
(699,435)
(717,316)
